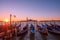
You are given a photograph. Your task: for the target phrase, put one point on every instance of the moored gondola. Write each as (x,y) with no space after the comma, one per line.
(42,29)
(32,32)
(56,26)
(32,29)
(2,33)
(22,32)
(53,29)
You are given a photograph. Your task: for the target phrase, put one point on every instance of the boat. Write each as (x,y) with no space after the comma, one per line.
(32,29)
(52,29)
(32,32)
(5,32)
(14,29)
(57,27)
(42,29)
(24,31)
(2,33)
(18,27)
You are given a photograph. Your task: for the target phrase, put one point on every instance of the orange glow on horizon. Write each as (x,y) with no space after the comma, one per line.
(6,20)
(33,18)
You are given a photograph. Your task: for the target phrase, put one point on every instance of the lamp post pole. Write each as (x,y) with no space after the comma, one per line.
(15,26)
(10,23)
(10,19)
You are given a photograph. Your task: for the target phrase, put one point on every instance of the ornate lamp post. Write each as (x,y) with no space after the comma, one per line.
(13,29)
(15,26)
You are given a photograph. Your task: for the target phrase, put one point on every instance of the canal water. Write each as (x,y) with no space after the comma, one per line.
(37,35)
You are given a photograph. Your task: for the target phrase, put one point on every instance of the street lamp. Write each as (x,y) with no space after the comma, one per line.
(15,26)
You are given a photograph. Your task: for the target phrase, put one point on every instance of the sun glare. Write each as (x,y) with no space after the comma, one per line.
(6,20)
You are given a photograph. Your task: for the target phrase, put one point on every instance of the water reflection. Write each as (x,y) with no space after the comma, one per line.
(53,37)
(44,37)
(32,36)
(22,37)
(57,37)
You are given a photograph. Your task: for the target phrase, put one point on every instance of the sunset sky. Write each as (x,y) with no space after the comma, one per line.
(34,9)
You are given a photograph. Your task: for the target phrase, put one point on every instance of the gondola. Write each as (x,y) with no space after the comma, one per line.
(14,29)
(2,33)
(32,29)
(24,31)
(18,27)
(52,29)
(6,31)
(56,26)
(32,32)
(42,29)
